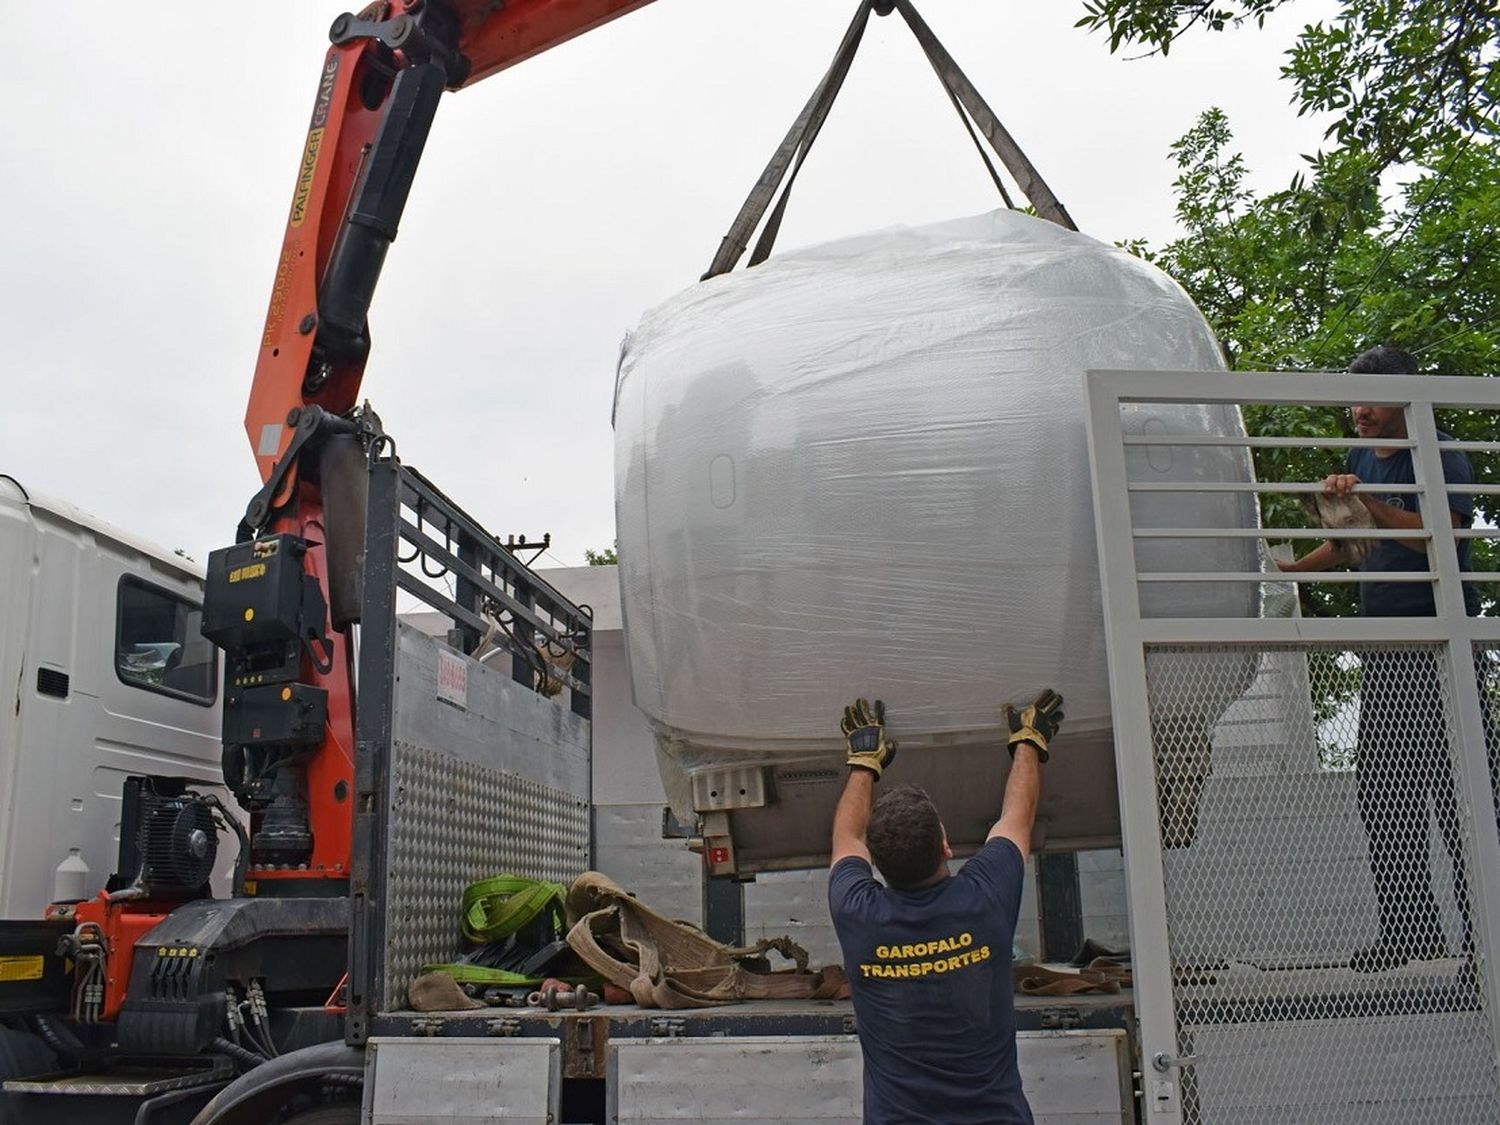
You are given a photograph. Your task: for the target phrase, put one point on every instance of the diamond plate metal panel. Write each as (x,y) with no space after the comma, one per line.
(488,781)
(453,822)
(1322,941)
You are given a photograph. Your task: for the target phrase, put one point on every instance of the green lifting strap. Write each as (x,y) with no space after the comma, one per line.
(494,909)
(503,978)
(495,978)
(498,907)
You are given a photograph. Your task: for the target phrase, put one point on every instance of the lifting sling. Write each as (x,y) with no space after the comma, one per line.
(972,110)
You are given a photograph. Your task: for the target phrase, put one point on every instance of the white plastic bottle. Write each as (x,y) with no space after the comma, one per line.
(70,880)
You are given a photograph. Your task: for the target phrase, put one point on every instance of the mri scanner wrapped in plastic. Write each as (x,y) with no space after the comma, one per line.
(861,469)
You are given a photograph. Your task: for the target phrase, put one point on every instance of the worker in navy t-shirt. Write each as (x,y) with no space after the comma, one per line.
(928,954)
(1395,511)
(1403,751)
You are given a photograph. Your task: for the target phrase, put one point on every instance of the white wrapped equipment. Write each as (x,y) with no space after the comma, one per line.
(861,469)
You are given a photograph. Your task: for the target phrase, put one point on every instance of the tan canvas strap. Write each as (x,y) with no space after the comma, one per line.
(665,963)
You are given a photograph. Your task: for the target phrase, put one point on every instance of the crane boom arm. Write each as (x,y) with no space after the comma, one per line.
(378,91)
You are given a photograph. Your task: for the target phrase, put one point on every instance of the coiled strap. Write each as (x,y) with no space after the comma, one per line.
(498,907)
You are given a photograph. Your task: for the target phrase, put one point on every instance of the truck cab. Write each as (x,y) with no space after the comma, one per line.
(106,675)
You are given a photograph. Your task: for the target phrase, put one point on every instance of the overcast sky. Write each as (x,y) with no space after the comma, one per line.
(149,160)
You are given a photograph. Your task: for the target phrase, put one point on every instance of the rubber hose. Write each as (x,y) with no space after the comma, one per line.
(247,1059)
(53,1040)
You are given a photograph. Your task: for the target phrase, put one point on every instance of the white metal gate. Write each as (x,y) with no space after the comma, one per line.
(1314,873)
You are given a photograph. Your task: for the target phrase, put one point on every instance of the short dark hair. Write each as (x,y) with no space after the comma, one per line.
(1384,360)
(905,836)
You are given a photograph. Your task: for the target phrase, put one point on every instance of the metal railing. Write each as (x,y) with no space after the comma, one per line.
(495,601)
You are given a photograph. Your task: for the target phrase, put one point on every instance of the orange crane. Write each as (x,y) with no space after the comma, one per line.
(380,86)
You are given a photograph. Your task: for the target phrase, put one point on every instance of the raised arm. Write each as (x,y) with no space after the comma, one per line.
(1023,790)
(1030,731)
(869,752)
(852,816)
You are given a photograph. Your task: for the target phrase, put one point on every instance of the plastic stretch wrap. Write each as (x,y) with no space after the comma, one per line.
(861,468)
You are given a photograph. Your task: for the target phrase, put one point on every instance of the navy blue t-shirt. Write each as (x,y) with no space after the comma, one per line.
(933,998)
(1410,599)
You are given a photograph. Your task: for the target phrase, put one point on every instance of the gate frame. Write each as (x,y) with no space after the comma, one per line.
(1128,637)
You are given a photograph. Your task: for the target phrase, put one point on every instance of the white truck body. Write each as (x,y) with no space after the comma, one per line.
(104,675)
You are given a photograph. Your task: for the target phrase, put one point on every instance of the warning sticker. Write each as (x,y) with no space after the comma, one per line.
(21,968)
(452,679)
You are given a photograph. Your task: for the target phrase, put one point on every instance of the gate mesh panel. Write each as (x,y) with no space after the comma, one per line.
(454,822)
(1487,674)
(1317,865)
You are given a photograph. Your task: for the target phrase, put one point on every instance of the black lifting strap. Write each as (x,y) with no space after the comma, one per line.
(799,139)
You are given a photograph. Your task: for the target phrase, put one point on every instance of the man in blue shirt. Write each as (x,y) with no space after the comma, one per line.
(1403,741)
(928,954)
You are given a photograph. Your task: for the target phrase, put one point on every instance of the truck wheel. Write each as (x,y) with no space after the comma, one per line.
(21,1054)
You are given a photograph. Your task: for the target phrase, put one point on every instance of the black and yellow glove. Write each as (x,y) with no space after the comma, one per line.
(864,734)
(1036,723)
